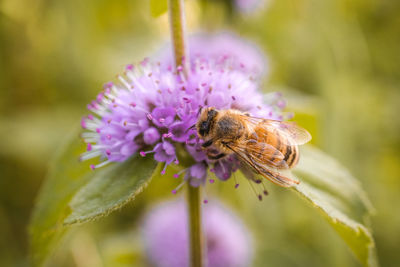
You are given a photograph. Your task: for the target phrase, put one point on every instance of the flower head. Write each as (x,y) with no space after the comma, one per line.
(152,108)
(223,48)
(165,232)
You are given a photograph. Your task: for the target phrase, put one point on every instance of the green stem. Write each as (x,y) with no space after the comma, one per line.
(177,23)
(195,234)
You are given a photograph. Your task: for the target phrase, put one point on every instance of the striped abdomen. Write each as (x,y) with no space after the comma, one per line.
(273,149)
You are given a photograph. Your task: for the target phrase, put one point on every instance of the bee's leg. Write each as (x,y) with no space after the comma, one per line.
(215,157)
(207,143)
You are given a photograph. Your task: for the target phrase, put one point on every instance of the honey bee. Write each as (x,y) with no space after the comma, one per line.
(266,147)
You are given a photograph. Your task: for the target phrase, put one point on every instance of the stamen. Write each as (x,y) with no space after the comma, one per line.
(90,154)
(108,85)
(265,192)
(178,187)
(99,165)
(165,169)
(259,196)
(176,175)
(125,123)
(135,82)
(129,67)
(167,135)
(104,163)
(83,123)
(124,82)
(90,140)
(236,182)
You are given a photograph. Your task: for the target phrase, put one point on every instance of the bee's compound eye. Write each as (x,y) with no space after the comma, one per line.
(203,128)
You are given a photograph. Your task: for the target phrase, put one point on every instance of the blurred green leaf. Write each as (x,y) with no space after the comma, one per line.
(158,7)
(74,193)
(330,188)
(111,189)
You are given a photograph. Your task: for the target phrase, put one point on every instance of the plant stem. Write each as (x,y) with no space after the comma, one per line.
(195,234)
(177,23)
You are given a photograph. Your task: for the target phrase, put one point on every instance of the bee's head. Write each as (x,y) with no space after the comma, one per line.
(205,122)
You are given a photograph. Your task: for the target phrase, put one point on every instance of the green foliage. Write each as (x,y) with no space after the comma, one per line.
(158,7)
(330,188)
(73,193)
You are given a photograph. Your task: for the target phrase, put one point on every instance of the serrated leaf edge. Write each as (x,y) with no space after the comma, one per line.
(107,212)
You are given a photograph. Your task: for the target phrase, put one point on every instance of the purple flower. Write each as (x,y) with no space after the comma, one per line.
(225,167)
(222,48)
(165,233)
(248,6)
(151,136)
(152,108)
(197,174)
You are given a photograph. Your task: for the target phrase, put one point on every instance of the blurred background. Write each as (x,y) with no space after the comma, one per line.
(338,62)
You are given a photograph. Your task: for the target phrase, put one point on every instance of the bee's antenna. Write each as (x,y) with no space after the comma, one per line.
(259,196)
(190,128)
(199,111)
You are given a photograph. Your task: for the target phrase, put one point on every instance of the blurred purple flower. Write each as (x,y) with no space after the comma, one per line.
(165,233)
(225,47)
(248,6)
(152,107)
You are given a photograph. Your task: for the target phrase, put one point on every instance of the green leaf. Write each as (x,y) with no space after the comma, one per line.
(111,189)
(330,188)
(74,193)
(158,7)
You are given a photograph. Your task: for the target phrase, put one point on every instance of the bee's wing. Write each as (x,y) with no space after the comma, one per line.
(295,135)
(276,176)
(263,153)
